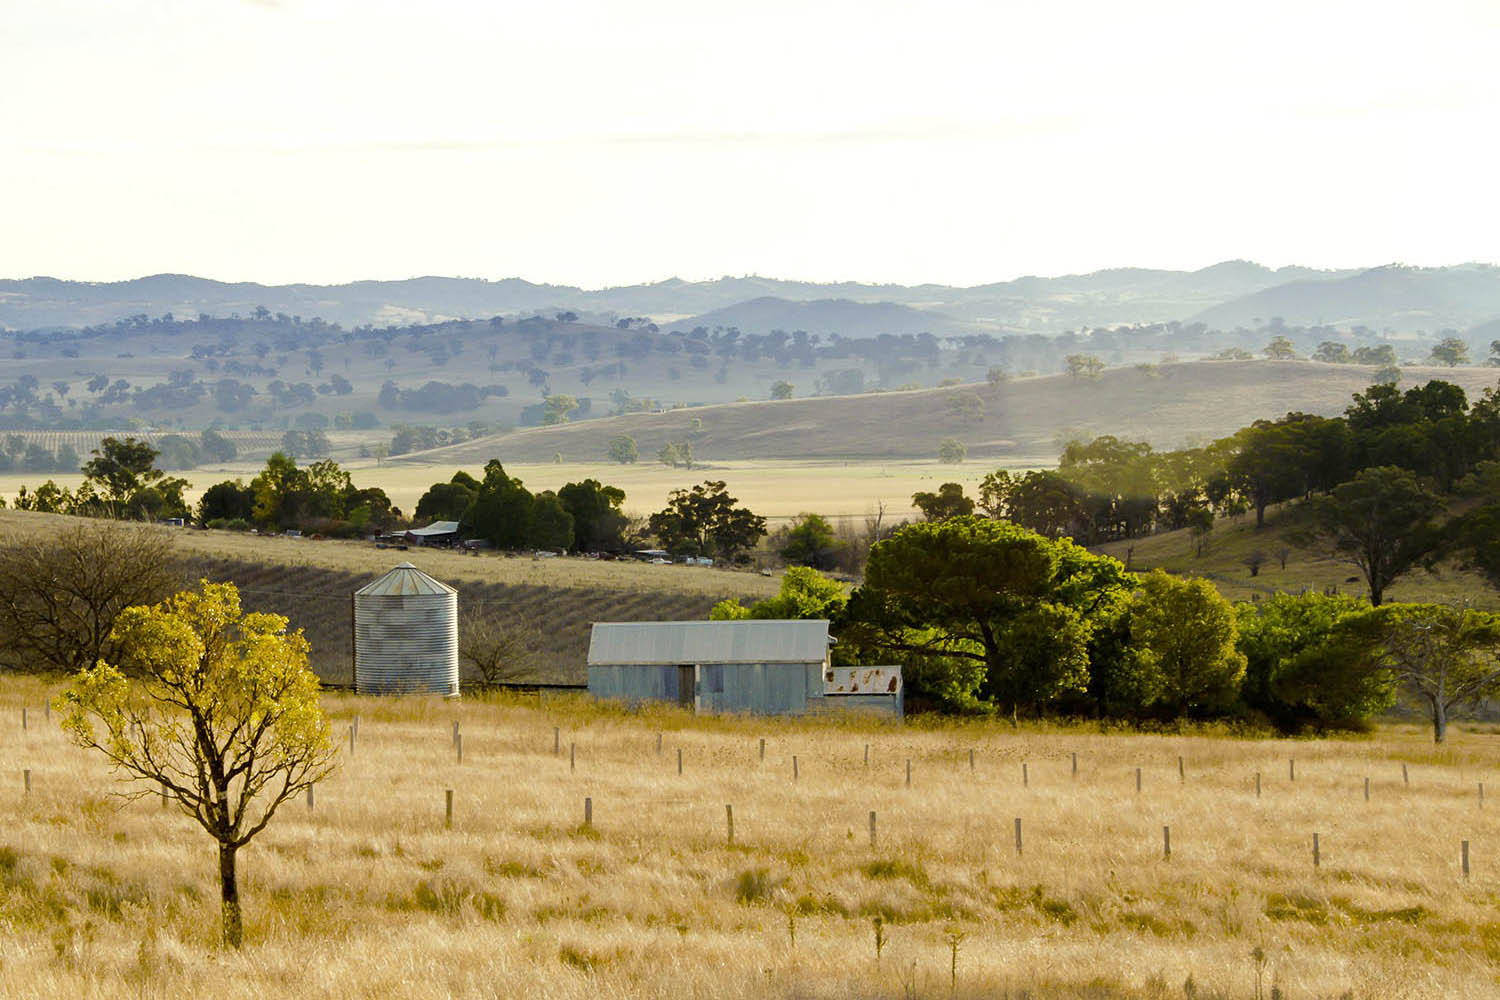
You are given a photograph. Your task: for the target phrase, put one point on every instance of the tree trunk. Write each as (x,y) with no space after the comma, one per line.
(1439,721)
(230,894)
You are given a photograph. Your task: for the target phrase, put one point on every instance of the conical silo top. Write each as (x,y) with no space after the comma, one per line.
(403,581)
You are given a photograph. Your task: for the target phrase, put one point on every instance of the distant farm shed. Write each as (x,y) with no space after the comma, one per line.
(770,667)
(406,635)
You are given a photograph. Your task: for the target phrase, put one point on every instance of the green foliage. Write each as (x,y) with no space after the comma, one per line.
(705,521)
(782,389)
(810,542)
(1183,633)
(502,510)
(1450,351)
(551,524)
(951,451)
(1382,522)
(226,501)
(446,501)
(557,408)
(948,501)
(598,523)
(622,449)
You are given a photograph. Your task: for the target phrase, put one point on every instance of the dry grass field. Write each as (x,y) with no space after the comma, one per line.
(1026,420)
(369,894)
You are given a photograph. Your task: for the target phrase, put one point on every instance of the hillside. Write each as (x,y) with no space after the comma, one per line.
(1023,419)
(311,582)
(844,317)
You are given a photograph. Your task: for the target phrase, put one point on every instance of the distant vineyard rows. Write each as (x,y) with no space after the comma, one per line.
(251,444)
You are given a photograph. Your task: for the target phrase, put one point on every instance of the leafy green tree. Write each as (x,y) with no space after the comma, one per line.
(1183,633)
(1382,522)
(1332,352)
(120,468)
(948,501)
(1300,666)
(951,451)
(705,521)
(1006,599)
(782,389)
(966,407)
(227,501)
(502,510)
(1450,351)
(216,447)
(805,593)
(215,708)
(551,524)
(598,522)
(1383,355)
(1280,349)
(1440,657)
(447,501)
(810,542)
(556,409)
(1083,365)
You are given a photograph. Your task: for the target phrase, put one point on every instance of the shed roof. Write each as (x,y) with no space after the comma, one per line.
(436,528)
(765,641)
(402,581)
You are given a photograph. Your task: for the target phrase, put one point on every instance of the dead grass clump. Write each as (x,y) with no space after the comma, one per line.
(755,885)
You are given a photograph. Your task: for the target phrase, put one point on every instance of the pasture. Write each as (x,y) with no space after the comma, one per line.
(373,891)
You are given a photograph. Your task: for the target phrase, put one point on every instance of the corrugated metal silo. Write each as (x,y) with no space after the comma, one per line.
(406,635)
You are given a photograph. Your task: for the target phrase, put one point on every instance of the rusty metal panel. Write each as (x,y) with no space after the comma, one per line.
(862,680)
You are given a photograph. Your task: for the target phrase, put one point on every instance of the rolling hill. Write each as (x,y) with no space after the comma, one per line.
(1023,419)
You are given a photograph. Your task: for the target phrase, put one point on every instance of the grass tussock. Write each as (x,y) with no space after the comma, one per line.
(371,894)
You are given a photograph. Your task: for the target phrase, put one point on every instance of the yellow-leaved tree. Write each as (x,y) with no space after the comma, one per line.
(214,708)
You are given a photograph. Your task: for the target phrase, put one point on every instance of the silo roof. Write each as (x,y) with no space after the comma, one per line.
(759,641)
(404,580)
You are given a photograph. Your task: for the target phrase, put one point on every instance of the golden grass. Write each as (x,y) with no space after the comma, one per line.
(368,895)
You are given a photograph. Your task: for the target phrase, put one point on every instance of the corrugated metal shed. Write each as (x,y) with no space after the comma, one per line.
(708,642)
(404,580)
(435,528)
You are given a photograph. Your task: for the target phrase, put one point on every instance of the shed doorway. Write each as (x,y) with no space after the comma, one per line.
(686,685)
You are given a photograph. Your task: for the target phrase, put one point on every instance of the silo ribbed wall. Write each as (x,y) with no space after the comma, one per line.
(406,644)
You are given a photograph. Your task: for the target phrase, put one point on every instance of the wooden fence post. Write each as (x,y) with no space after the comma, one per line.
(23,718)
(1291,768)
(458,746)
(762,748)
(556,741)
(164,796)
(448,811)
(1367,789)
(1181,771)
(1404,779)
(455,731)
(872,828)
(1257,784)
(1316,855)
(1465,850)
(26,777)
(588,812)
(679,760)
(1075,765)
(1481,795)
(572,756)
(971,759)
(729,821)
(1025,776)
(794,767)
(1166,843)
(351,741)
(908,772)
(867,755)
(356,723)
(309,797)
(1018,835)
(658,742)
(1137,780)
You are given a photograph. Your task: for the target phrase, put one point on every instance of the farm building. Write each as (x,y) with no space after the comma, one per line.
(767,667)
(436,533)
(406,635)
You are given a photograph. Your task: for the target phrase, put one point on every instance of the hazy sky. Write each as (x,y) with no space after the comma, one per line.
(608,143)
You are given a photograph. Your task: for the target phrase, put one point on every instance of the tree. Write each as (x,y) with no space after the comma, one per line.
(551,524)
(447,501)
(805,593)
(502,510)
(497,651)
(1450,351)
(1086,365)
(948,501)
(622,449)
(704,520)
(967,407)
(1183,635)
(810,542)
(1332,352)
(227,501)
(60,594)
(782,389)
(216,447)
(1439,656)
(556,409)
(122,467)
(991,593)
(951,451)
(1381,521)
(215,707)
(1280,349)
(598,523)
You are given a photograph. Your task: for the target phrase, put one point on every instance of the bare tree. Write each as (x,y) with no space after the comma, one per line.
(1282,552)
(497,651)
(60,593)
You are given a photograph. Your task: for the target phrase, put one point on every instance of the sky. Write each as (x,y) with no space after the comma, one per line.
(601,143)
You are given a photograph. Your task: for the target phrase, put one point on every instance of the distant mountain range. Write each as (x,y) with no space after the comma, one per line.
(1226,295)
